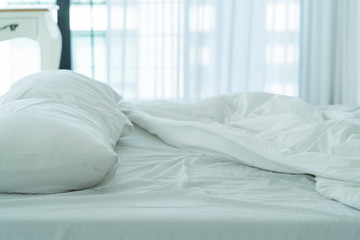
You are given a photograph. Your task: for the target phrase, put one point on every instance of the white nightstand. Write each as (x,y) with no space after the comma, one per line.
(36,23)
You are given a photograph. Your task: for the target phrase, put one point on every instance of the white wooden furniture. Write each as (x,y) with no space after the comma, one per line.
(36,23)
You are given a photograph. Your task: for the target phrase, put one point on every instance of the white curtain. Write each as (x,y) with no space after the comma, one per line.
(330,54)
(192,49)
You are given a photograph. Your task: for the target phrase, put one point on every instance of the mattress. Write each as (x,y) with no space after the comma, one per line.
(162,192)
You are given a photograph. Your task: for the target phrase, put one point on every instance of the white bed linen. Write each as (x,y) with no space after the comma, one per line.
(164,193)
(272,132)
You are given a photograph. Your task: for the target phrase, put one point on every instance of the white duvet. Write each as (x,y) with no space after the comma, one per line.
(272,132)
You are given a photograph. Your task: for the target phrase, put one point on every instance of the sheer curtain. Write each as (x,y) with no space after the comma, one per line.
(330,54)
(192,49)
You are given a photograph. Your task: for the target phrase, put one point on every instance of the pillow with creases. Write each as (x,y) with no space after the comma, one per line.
(52,146)
(65,85)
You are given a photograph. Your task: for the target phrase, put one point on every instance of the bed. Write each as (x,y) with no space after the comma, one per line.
(182,187)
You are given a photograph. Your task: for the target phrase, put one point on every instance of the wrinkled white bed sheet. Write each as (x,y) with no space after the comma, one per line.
(162,193)
(272,132)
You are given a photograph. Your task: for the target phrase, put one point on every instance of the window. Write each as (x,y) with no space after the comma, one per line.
(88,24)
(156,49)
(160,44)
(282,48)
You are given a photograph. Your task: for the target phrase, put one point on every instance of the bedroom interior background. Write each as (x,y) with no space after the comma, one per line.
(179,49)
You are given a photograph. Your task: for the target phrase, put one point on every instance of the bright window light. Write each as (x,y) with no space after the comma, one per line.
(201,18)
(280,17)
(83,18)
(278,56)
(293,17)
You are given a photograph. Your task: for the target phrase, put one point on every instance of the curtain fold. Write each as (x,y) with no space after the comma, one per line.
(329,52)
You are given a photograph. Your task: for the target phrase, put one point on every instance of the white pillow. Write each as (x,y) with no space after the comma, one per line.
(58,130)
(50,146)
(61,84)
(65,85)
